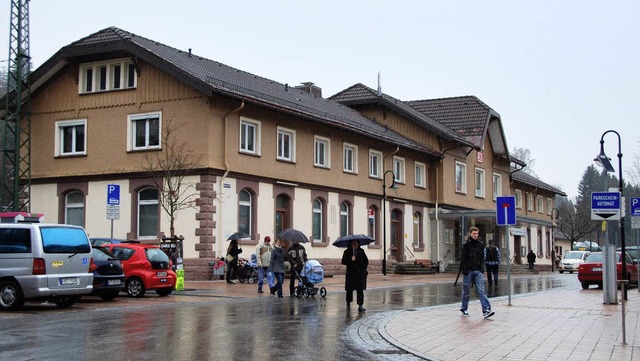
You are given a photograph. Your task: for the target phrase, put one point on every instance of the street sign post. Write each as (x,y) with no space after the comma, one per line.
(605,206)
(506,216)
(113,203)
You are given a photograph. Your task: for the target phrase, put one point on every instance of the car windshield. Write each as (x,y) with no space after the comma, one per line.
(573,255)
(64,240)
(156,255)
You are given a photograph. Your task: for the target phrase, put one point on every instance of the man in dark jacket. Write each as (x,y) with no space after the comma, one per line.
(472,267)
(296,256)
(357,262)
(492,262)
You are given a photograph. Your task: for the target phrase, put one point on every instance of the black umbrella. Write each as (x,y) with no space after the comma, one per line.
(293,235)
(345,241)
(238,235)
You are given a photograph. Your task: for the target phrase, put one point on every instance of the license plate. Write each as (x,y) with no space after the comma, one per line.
(596,269)
(114,282)
(568,267)
(161,274)
(69,281)
(163,280)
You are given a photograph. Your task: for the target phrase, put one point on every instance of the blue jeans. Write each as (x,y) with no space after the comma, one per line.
(262,274)
(279,281)
(478,281)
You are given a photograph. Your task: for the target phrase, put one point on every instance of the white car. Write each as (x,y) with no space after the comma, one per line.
(572,260)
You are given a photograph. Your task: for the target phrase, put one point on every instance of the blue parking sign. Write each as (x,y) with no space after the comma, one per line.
(635,206)
(113,194)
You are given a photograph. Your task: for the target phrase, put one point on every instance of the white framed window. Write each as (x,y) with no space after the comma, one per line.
(144,131)
(118,74)
(539,204)
(74,209)
(321,152)
(549,206)
(461,177)
(249,136)
(529,202)
(375,164)
(245,205)
(421,175)
(345,212)
(286,144)
(71,137)
(398,169)
(350,158)
(518,199)
(497,186)
(317,220)
(480,188)
(148,213)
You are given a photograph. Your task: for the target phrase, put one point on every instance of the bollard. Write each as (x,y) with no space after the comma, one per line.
(623,283)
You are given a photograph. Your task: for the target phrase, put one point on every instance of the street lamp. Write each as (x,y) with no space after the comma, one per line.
(384,217)
(606,164)
(553,238)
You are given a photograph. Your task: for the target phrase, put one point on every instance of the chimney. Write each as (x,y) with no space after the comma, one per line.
(310,88)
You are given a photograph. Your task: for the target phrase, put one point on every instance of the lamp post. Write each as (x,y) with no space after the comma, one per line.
(384,217)
(604,161)
(553,238)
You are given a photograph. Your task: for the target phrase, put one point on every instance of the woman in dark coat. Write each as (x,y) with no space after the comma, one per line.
(276,265)
(232,266)
(357,262)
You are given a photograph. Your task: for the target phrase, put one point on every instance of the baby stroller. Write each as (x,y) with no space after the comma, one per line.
(312,273)
(218,266)
(248,270)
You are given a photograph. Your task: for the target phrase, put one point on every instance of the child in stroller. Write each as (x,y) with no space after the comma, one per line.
(248,270)
(312,273)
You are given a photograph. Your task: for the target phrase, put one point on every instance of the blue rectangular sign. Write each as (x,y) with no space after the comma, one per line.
(506,211)
(605,200)
(113,194)
(635,206)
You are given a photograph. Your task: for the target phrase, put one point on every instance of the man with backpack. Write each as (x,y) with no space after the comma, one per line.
(492,262)
(297,257)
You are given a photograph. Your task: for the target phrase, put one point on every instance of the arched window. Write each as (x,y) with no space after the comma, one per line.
(245,211)
(344,218)
(148,213)
(318,219)
(74,209)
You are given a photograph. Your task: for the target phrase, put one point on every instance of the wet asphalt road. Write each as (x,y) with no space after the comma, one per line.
(204,326)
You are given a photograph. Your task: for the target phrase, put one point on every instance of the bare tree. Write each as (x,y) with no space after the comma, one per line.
(634,171)
(574,220)
(524,155)
(169,168)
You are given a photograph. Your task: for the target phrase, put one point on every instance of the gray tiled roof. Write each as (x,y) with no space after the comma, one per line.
(211,77)
(522,177)
(361,94)
(467,115)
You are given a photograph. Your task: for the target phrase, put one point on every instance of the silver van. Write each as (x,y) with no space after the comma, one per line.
(43,262)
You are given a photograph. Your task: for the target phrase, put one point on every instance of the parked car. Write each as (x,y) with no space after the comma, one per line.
(108,275)
(572,260)
(633,251)
(102,241)
(590,272)
(43,262)
(146,267)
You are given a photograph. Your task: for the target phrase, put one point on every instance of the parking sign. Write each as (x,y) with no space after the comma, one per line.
(113,194)
(635,206)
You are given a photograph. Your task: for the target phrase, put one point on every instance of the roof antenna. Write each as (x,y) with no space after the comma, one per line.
(379,86)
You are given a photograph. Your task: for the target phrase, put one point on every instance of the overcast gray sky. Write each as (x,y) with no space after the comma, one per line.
(560,73)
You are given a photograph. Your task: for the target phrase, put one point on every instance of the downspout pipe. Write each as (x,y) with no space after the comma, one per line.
(227,169)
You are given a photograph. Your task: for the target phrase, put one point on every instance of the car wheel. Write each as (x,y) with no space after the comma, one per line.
(135,287)
(10,295)
(561,272)
(163,292)
(65,301)
(323,292)
(585,285)
(109,296)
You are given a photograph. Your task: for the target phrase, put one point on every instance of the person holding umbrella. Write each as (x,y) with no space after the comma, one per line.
(297,258)
(232,257)
(357,262)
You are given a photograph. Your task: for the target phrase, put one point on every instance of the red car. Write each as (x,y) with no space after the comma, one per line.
(590,272)
(146,267)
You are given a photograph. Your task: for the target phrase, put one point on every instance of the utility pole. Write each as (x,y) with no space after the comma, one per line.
(15,139)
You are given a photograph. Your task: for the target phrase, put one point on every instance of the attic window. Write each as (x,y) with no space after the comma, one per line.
(109,75)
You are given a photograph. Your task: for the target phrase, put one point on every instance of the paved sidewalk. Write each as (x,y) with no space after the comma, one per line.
(558,324)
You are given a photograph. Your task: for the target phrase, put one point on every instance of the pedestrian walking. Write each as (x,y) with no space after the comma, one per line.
(263,257)
(357,262)
(297,256)
(531,258)
(276,265)
(472,267)
(492,262)
(232,261)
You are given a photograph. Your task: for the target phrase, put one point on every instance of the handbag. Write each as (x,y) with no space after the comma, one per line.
(230,258)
